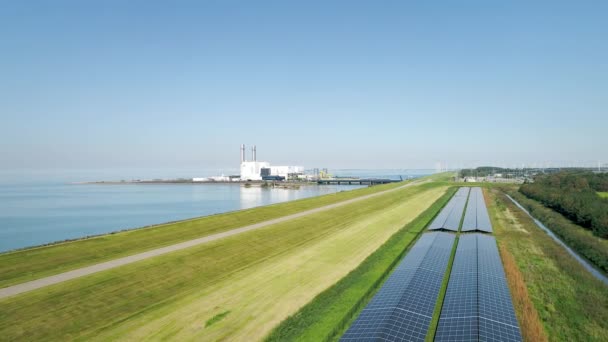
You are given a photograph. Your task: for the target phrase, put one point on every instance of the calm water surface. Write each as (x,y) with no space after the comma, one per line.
(41,208)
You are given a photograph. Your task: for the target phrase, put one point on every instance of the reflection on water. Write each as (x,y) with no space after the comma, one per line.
(253,196)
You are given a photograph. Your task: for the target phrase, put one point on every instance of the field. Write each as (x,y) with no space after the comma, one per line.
(24,265)
(330,313)
(554,296)
(603,194)
(237,288)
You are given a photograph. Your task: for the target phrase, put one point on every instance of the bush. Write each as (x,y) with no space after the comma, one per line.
(592,248)
(573,194)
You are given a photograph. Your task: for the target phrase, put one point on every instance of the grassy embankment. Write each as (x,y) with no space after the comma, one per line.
(581,240)
(29,264)
(546,282)
(331,312)
(237,288)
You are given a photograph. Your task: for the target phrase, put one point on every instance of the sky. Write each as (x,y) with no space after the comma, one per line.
(337,84)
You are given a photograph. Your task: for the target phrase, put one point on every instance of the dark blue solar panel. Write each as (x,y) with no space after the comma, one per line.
(494,331)
(458,320)
(476,215)
(483,219)
(477,304)
(450,215)
(403,308)
(497,321)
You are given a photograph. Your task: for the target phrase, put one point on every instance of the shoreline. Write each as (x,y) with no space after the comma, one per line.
(247,184)
(160,224)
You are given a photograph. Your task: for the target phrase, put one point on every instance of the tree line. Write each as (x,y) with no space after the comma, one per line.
(574,195)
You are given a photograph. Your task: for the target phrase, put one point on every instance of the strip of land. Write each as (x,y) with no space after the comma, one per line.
(263,275)
(571,304)
(34,263)
(36,284)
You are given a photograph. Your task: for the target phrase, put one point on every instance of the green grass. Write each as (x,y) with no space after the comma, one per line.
(603,194)
(84,308)
(29,264)
(331,312)
(216,318)
(571,303)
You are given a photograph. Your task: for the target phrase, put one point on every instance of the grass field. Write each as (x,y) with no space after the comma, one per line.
(331,312)
(570,303)
(244,285)
(603,194)
(29,264)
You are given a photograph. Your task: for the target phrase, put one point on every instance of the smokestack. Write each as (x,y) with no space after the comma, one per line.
(242,153)
(253,154)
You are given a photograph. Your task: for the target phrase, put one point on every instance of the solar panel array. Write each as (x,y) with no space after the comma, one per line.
(403,308)
(476,216)
(477,305)
(450,215)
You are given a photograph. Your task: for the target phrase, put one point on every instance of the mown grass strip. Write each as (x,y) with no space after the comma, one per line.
(29,264)
(327,316)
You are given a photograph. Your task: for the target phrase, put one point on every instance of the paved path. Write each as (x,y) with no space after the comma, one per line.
(81,272)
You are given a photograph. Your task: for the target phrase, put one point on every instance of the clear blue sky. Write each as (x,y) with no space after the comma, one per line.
(339,84)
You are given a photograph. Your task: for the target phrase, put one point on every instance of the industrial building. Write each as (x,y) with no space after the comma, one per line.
(256,171)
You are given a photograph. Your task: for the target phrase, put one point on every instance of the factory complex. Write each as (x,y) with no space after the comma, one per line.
(254,170)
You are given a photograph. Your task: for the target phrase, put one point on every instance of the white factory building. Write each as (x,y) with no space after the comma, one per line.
(255,170)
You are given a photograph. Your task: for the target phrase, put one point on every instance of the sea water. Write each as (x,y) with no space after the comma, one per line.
(43,207)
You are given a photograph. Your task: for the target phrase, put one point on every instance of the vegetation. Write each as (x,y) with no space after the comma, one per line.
(573,194)
(576,237)
(527,316)
(29,264)
(530,325)
(216,318)
(331,312)
(571,304)
(260,276)
(603,194)
(484,171)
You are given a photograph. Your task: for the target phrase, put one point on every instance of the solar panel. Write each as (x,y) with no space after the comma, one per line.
(403,308)
(477,304)
(476,216)
(458,320)
(450,215)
